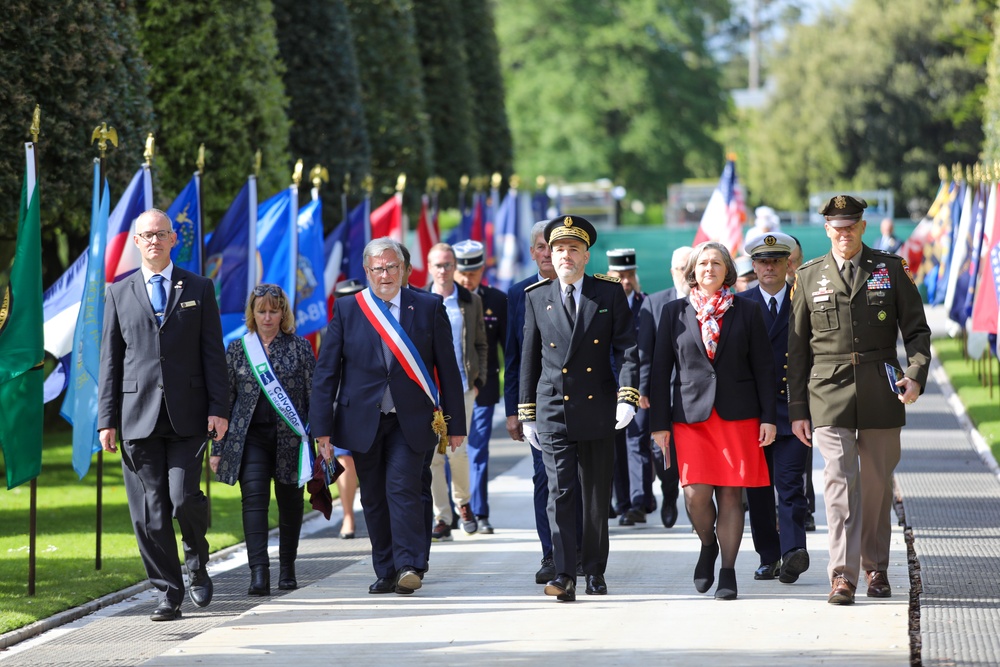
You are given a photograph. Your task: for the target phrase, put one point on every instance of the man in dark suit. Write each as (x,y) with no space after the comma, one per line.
(163,386)
(541,254)
(469,267)
(633,473)
(782,551)
(567,406)
(887,241)
(363,399)
(649,320)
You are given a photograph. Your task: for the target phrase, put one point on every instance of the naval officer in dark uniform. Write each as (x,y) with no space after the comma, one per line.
(847,309)
(568,403)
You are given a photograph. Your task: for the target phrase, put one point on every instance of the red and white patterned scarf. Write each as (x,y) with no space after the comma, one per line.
(709,311)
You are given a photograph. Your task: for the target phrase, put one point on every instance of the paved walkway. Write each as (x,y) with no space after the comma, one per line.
(479,604)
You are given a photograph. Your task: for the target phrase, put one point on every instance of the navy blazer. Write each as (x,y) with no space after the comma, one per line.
(351,377)
(739,384)
(515,339)
(495,319)
(777,332)
(182,360)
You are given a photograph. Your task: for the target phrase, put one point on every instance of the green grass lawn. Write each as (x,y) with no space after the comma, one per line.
(984,410)
(65,542)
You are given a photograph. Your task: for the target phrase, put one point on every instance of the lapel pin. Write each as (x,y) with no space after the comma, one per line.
(179,285)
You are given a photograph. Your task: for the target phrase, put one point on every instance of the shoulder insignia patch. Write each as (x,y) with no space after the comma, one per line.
(906,270)
(811,262)
(601,276)
(543,281)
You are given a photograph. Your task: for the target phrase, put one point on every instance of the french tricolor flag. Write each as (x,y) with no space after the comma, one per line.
(122,256)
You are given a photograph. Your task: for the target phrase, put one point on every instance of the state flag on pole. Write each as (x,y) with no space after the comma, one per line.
(79,407)
(725,213)
(508,247)
(21,346)
(60,307)
(310,292)
(185,214)
(231,259)
(985,309)
(277,239)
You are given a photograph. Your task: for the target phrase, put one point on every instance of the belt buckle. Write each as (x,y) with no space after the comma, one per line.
(855,358)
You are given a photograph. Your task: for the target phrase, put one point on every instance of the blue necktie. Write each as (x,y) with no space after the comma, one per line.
(159,297)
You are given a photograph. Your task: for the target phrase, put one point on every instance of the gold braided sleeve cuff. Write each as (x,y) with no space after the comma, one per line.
(526,412)
(629,395)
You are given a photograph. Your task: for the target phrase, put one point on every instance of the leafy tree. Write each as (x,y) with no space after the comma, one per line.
(446,87)
(991,100)
(392,92)
(216,79)
(80,61)
(879,110)
(623,90)
(496,150)
(321,78)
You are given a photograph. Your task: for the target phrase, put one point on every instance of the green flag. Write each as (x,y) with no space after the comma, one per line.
(21,342)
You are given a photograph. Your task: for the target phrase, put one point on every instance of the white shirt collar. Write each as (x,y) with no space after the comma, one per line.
(779,297)
(167,273)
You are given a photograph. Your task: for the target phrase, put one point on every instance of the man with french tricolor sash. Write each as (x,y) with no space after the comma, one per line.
(387,387)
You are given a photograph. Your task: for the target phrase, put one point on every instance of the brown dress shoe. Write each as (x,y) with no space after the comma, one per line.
(878,584)
(842,591)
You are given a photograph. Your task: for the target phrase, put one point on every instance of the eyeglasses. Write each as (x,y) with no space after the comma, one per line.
(391,269)
(161,235)
(273,290)
(443,267)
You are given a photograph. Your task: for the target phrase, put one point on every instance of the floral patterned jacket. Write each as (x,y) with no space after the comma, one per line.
(293,361)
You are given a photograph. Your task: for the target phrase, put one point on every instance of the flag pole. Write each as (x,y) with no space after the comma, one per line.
(36,119)
(200,163)
(102,135)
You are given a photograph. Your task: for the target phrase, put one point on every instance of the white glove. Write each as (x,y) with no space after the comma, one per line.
(530,434)
(624,415)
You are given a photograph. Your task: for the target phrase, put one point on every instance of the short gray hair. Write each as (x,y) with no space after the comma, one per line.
(378,246)
(727,260)
(537,229)
(682,252)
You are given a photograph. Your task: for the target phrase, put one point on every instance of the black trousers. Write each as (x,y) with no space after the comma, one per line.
(162,476)
(583,469)
(256,472)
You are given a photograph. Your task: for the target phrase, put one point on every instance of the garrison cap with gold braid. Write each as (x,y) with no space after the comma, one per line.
(843,210)
(571,227)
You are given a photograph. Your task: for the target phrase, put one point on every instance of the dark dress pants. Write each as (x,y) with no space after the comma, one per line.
(391,480)
(786,463)
(540,479)
(632,464)
(162,477)
(763,518)
(578,471)
(256,472)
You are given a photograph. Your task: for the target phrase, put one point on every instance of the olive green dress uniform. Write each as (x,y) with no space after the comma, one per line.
(840,338)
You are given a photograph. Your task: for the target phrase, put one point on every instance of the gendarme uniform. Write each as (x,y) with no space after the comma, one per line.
(569,391)
(840,339)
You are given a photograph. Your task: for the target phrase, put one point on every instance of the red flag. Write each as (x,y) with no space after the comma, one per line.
(427,236)
(985,306)
(725,214)
(387,219)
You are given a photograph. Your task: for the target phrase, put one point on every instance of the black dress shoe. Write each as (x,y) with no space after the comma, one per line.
(810,522)
(668,514)
(704,571)
(546,572)
(383,585)
(636,514)
(286,578)
(596,585)
(727,584)
(563,587)
(200,590)
(407,581)
(794,563)
(166,611)
(260,580)
(767,571)
(625,520)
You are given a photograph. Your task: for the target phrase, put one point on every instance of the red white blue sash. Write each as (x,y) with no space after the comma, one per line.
(389,330)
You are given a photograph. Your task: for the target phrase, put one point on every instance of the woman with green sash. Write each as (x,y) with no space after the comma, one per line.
(270,377)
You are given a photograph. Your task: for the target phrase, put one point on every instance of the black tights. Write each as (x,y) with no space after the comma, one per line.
(727,521)
(256,472)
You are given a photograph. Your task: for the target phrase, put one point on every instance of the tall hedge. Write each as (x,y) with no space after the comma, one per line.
(80,61)
(441,40)
(321,79)
(496,150)
(392,93)
(216,79)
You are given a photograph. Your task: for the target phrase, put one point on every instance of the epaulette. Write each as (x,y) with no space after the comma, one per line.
(610,279)
(811,262)
(543,281)
(885,253)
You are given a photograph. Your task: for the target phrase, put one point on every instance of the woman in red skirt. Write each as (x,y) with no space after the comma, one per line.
(712,387)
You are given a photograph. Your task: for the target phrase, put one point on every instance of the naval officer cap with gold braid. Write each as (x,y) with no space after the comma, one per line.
(570,227)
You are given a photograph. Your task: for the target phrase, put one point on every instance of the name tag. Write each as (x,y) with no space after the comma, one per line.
(824,297)
(188,304)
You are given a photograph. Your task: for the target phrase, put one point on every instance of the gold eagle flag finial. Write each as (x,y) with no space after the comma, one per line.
(258,158)
(319,175)
(36,124)
(200,162)
(496,180)
(401,183)
(150,149)
(297,173)
(463,182)
(368,184)
(102,135)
